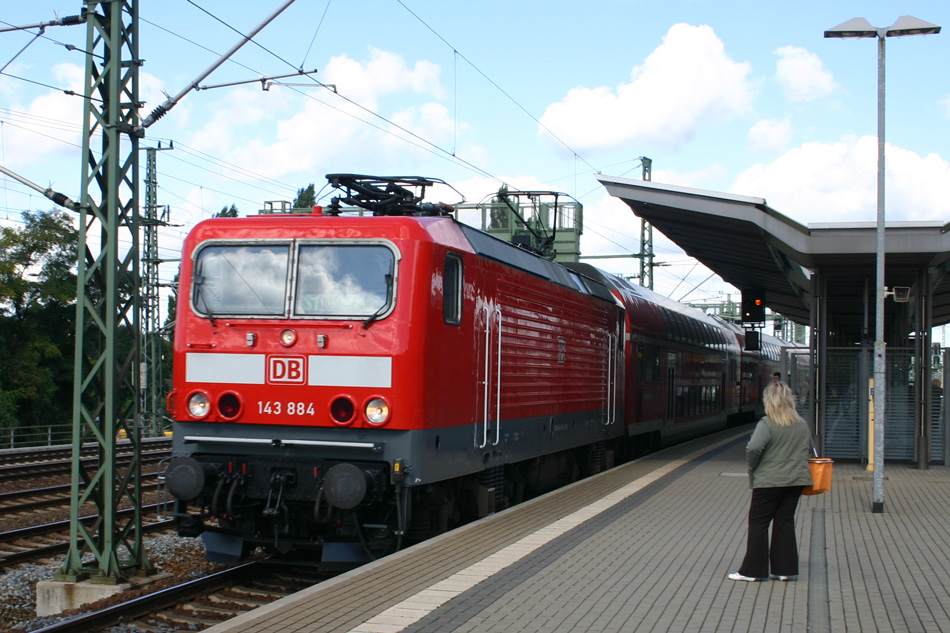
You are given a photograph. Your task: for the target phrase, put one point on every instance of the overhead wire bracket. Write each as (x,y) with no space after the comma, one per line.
(266,82)
(61,199)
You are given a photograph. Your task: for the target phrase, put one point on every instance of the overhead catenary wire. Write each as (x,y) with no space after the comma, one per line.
(393,129)
(374,114)
(696,286)
(425,144)
(249,37)
(356,104)
(495,84)
(316,32)
(169,103)
(242,175)
(20,52)
(447,152)
(450,153)
(65,91)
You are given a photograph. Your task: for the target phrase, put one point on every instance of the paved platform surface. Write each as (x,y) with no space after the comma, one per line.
(646,547)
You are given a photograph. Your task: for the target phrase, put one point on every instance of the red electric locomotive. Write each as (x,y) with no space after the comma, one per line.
(343,382)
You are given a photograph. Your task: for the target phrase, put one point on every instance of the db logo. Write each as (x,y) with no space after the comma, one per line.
(286,370)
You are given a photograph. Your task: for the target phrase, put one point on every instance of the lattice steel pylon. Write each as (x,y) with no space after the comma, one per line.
(151,377)
(105,392)
(646,235)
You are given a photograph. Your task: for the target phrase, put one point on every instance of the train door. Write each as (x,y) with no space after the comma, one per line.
(488,402)
(670,387)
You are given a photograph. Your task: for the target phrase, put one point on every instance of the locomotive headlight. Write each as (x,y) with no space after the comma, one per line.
(377,411)
(198,405)
(288,338)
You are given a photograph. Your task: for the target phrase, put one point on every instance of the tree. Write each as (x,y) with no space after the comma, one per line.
(306,198)
(226,212)
(36,263)
(172,305)
(37,312)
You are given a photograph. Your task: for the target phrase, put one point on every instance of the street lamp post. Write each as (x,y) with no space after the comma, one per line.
(860,27)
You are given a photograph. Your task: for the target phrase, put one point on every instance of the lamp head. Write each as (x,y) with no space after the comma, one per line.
(855,27)
(909,25)
(905,25)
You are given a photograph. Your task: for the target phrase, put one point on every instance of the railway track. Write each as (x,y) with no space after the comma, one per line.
(200,603)
(42,541)
(52,496)
(54,461)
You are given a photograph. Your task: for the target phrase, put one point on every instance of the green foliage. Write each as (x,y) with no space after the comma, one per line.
(37,263)
(172,305)
(306,198)
(227,212)
(37,314)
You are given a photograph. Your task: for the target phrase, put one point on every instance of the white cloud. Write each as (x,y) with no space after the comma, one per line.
(769,135)
(610,227)
(802,74)
(430,121)
(917,187)
(47,128)
(837,182)
(283,134)
(703,178)
(383,74)
(686,82)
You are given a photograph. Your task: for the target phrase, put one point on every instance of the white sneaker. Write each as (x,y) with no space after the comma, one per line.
(738,576)
(782,578)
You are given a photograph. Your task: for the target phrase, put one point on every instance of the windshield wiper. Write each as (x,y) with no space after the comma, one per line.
(200,296)
(389,294)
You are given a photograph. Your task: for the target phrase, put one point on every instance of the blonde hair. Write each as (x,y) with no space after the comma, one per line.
(780,405)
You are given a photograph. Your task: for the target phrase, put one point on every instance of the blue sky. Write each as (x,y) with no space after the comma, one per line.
(740,96)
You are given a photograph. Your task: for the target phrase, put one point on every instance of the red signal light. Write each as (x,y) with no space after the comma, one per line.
(229,405)
(753,306)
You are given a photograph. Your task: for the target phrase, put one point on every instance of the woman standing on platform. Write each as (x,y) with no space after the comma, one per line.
(778,455)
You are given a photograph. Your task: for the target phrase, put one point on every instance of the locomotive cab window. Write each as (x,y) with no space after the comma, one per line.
(344,280)
(453,282)
(578,282)
(241,279)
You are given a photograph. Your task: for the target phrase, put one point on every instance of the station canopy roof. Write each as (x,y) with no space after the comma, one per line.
(752,246)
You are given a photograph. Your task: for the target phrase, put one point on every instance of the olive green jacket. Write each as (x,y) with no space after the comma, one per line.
(778,455)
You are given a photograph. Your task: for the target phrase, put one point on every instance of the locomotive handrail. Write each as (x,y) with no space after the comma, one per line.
(487,380)
(227,440)
(375,446)
(498,388)
(486,391)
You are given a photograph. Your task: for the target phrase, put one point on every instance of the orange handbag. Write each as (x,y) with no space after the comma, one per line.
(820,475)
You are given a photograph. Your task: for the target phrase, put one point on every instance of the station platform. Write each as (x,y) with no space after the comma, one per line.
(647,547)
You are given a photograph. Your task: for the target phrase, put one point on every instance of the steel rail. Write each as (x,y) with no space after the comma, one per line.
(150,603)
